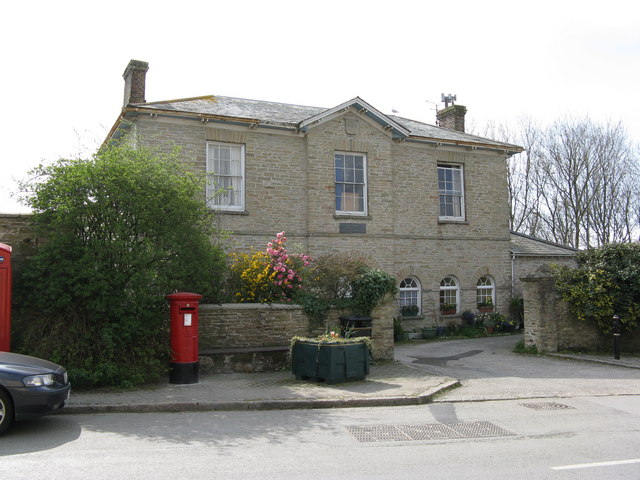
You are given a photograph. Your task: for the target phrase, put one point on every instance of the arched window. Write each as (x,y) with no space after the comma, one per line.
(410,296)
(449,295)
(485,293)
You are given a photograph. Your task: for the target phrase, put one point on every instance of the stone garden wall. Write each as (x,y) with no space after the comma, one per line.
(16,230)
(238,337)
(551,327)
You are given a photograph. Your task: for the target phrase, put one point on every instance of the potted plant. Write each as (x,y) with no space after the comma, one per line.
(491,321)
(448,308)
(468,318)
(409,310)
(490,324)
(330,358)
(507,325)
(486,305)
(429,332)
(399,333)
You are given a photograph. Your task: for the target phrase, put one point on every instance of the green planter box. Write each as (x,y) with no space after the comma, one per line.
(330,362)
(429,332)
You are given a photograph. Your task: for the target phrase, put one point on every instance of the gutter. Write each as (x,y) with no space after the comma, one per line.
(468,145)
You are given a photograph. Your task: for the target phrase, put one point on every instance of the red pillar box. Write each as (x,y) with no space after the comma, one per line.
(5,297)
(184,366)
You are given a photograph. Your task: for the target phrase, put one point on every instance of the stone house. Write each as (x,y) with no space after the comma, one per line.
(426,203)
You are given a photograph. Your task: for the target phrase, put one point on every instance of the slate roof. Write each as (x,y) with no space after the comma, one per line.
(526,246)
(282,115)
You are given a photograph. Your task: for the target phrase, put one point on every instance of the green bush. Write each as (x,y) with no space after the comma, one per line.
(369,288)
(520,348)
(121,230)
(605,283)
(343,282)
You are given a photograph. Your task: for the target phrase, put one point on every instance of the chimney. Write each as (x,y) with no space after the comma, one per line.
(134,82)
(452,117)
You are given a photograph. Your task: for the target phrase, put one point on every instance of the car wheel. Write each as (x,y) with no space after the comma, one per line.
(6,411)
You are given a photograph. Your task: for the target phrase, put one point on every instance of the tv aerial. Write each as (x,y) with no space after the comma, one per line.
(447,98)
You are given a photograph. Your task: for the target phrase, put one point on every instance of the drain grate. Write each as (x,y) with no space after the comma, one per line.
(480,430)
(434,431)
(378,433)
(546,406)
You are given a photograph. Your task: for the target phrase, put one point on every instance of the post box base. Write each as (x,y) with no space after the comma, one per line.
(183,373)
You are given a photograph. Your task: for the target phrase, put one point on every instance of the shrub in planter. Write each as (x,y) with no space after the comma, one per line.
(330,359)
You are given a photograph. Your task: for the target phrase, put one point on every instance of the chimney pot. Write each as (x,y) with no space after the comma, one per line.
(134,82)
(452,117)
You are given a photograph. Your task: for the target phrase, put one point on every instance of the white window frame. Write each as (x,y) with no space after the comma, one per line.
(485,290)
(450,290)
(347,181)
(410,293)
(216,181)
(451,192)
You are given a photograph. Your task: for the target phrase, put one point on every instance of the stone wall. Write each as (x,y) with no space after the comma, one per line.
(227,331)
(290,186)
(16,230)
(525,265)
(551,327)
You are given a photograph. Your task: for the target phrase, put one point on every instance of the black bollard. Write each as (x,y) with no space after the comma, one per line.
(616,337)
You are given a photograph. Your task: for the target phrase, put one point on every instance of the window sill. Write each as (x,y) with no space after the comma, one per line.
(354,216)
(445,221)
(229,212)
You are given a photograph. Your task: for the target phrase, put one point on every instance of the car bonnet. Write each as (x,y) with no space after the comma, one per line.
(17,363)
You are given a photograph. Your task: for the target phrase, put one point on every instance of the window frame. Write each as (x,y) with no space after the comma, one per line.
(211,187)
(415,289)
(458,195)
(481,295)
(444,292)
(364,184)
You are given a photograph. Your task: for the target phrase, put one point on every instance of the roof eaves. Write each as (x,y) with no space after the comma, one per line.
(507,149)
(203,117)
(178,100)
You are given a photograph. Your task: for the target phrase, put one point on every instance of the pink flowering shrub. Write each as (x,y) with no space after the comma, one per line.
(287,268)
(268,276)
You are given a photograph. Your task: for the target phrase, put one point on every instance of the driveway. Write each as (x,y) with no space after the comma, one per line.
(489,370)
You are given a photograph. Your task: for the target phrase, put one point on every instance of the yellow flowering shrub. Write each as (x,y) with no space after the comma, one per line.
(251,278)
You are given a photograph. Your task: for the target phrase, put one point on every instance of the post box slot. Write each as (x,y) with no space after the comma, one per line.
(187,309)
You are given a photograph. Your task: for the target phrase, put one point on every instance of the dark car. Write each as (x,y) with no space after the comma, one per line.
(30,387)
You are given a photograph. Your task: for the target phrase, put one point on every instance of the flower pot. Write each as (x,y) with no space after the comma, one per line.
(330,362)
(429,332)
(485,309)
(489,330)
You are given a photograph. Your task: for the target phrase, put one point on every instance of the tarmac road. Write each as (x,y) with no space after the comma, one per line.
(489,370)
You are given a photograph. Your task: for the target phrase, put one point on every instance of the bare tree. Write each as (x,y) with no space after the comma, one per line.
(612,187)
(577,182)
